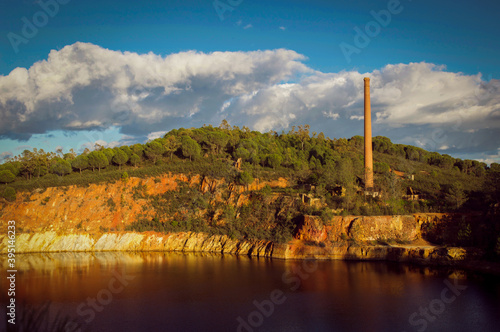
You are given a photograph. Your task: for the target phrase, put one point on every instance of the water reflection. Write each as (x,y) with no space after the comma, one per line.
(205,292)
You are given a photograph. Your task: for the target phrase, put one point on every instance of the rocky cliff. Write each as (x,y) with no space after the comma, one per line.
(93,218)
(110,206)
(132,241)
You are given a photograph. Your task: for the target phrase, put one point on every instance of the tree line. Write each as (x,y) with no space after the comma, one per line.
(307,157)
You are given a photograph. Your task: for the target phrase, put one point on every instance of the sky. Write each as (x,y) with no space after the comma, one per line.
(73,73)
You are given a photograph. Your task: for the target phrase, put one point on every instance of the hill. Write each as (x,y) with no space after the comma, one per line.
(408,179)
(247,185)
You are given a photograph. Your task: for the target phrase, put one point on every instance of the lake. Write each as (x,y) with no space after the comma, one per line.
(203,292)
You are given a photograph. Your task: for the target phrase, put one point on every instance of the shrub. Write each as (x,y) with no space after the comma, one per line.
(244,178)
(6,176)
(111,203)
(9,194)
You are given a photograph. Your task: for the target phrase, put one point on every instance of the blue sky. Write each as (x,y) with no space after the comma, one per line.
(424,60)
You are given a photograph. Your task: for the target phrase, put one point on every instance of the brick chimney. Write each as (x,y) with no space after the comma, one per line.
(368,138)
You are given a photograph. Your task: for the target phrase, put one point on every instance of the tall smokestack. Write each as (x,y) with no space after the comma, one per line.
(368,137)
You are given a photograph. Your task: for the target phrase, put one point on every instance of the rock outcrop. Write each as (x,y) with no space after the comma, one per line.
(93,219)
(110,206)
(133,241)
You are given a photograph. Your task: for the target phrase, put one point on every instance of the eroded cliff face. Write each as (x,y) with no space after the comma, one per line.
(392,238)
(78,219)
(109,205)
(133,241)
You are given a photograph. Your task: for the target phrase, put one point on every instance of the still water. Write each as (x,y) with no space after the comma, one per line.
(199,292)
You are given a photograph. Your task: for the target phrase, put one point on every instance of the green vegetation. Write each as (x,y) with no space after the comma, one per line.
(188,209)
(9,194)
(408,179)
(6,176)
(441,182)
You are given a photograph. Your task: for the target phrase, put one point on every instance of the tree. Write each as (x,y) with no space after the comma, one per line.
(218,140)
(274,160)
(69,156)
(120,158)
(13,166)
(412,153)
(97,159)
(456,195)
(242,153)
(391,184)
(381,144)
(138,149)
(170,144)
(302,134)
(109,153)
(61,167)
(134,159)
(6,176)
(127,150)
(381,167)
(80,162)
(28,163)
(42,161)
(154,150)
(225,125)
(190,148)
(9,194)
(244,178)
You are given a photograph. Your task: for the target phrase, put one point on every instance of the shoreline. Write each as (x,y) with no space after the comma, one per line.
(468,259)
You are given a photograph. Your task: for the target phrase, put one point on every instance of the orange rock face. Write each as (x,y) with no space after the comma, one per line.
(312,230)
(104,206)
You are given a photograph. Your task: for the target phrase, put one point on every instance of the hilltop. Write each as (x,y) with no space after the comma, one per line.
(408,179)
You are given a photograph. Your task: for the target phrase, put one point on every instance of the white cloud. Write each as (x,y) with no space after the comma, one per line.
(248,26)
(331,115)
(282,28)
(86,87)
(491,158)
(156,134)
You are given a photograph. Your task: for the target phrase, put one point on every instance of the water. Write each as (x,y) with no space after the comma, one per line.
(196,292)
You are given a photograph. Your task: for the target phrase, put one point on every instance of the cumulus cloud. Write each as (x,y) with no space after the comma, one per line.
(86,87)
(156,134)
(416,103)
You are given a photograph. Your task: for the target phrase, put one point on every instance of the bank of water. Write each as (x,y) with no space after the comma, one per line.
(157,291)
